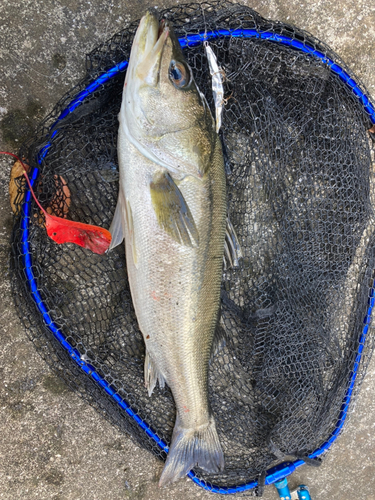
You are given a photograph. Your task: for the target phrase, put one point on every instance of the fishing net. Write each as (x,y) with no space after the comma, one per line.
(299,162)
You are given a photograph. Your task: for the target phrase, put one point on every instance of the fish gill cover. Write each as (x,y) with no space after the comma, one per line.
(299,162)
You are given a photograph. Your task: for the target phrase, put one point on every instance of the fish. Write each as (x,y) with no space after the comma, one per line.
(171,211)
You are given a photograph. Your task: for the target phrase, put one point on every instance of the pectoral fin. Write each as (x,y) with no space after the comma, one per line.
(172,211)
(123,212)
(117,228)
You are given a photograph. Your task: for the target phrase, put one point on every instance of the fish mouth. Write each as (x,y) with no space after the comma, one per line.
(149,42)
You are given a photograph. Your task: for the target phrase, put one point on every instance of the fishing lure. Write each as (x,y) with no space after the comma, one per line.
(217,84)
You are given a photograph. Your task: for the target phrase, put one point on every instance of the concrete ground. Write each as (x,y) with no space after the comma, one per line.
(53,446)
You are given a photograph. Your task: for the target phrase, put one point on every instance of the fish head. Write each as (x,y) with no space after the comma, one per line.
(163,110)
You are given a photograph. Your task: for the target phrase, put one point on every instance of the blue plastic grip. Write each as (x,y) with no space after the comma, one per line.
(283,489)
(303,493)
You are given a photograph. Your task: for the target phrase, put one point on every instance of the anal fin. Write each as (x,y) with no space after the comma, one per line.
(152,375)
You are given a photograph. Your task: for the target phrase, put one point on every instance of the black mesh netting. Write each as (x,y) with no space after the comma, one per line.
(299,164)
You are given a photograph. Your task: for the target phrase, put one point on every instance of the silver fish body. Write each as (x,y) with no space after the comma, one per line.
(172,212)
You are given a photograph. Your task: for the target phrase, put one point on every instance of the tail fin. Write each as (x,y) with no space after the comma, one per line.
(191,447)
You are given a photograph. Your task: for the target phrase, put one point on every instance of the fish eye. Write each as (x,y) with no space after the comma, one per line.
(179,74)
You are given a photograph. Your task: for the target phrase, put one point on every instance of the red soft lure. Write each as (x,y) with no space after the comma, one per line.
(94,238)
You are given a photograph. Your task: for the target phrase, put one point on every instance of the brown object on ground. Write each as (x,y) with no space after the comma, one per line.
(17,185)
